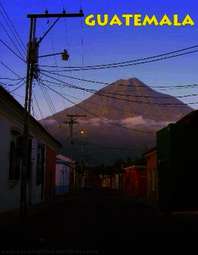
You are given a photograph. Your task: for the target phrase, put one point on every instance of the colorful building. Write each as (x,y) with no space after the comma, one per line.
(65,168)
(43,149)
(111,181)
(134,181)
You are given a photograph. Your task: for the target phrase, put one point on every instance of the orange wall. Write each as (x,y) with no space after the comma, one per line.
(134,182)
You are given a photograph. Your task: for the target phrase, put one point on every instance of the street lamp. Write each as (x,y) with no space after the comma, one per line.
(64,55)
(82,131)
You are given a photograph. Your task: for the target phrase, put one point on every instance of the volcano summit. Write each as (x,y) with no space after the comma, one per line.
(121,121)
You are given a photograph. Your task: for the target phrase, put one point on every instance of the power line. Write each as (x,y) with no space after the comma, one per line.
(38,107)
(12,41)
(129,95)
(18,87)
(185,86)
(132,64)
(19,84)
(74,78)
(12,28)
(10,79)
(98,93)
(13,93)
(110,83)
(93,114)
(159,57)
(12,51)
(11,70)
(48,101)
(10,85)
(77,98)
(46,97)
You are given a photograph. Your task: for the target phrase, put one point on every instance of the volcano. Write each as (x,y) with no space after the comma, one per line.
(121,121)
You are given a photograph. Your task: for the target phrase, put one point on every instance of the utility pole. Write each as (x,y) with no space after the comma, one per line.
(83,134)
(32,73)
(71,122)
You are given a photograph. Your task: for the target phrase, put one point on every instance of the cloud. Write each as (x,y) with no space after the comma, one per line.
(137,121)
(97,121)
(141,122)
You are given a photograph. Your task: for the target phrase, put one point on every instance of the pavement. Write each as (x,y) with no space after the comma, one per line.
(96,222)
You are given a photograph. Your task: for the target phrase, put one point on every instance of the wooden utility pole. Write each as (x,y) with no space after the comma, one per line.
(32,73)
(31,59)
(71,122)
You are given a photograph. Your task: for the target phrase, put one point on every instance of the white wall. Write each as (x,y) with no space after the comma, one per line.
(9,190)
(35,189)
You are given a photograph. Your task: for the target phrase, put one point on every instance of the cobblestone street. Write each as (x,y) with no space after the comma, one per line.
(96,222)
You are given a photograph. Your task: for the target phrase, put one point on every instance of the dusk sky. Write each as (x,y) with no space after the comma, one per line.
(101,45)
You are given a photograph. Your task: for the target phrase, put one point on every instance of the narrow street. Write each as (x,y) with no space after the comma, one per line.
(96,222)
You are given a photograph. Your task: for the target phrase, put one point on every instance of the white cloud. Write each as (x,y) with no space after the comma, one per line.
(133,121)
(128,122)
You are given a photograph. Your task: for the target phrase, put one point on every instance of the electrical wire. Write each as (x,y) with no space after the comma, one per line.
(109,83)
(150,59)
(12,51)
(99,93)
(77,98)
(12,41)
(48,101)
(10,24)
(38,107)
(10,69)
(18,87)
(130,95)
(10,79)
(91,113)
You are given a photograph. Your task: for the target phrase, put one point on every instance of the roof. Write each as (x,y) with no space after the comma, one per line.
(5,94)
(134,167)
(64,158)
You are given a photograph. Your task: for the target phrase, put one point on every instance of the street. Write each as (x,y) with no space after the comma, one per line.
(96,221)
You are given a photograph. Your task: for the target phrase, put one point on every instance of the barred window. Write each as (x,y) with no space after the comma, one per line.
(15,158)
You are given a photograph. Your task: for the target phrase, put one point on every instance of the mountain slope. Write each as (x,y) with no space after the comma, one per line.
(114,114)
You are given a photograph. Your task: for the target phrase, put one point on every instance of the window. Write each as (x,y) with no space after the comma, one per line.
(15,158)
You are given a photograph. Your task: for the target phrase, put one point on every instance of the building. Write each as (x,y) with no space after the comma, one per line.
(134,181)
(106,181)
(42,156)
(116,181)
(177,164)
(65,168)
(152,175)
(111,181)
